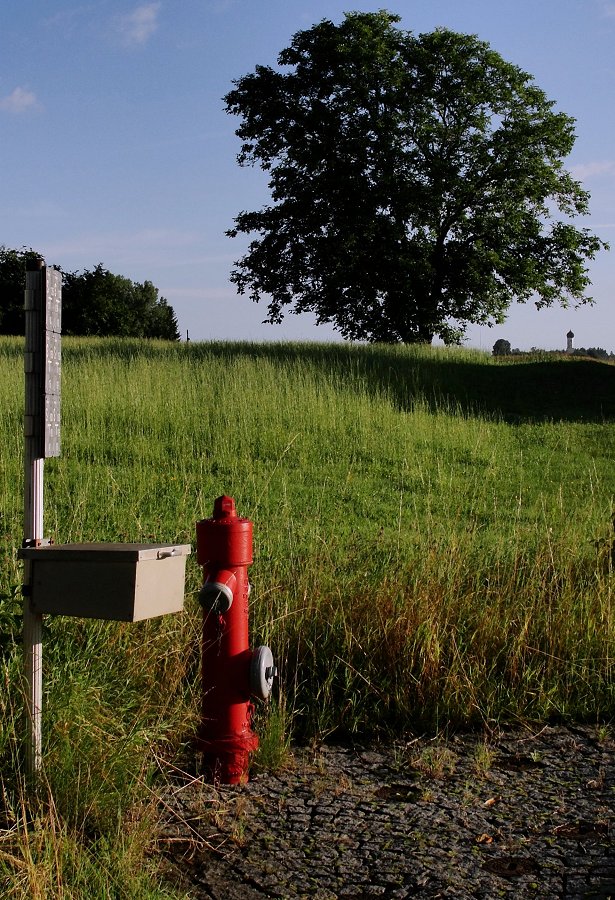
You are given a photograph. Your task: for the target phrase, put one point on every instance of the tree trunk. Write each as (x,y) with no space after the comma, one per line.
(425,335)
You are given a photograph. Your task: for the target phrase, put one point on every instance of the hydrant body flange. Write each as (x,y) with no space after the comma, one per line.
(225,736)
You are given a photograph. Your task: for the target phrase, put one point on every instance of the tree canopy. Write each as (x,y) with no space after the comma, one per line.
(501,348)
(417,184)
(12,285)
(94,302)
(98,302)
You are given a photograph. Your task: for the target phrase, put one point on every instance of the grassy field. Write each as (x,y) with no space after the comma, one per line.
(433,537)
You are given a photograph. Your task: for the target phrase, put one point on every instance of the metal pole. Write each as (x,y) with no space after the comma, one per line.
(33,510)
(32,621)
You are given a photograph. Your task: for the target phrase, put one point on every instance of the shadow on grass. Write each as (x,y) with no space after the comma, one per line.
(513,390)
(559,390)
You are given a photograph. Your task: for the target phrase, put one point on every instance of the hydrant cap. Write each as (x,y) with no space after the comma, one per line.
(224,508)
(225,540)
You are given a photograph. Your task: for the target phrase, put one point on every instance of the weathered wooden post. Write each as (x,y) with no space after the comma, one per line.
(43,306)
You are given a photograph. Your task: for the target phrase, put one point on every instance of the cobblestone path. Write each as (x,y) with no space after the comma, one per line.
(521,814)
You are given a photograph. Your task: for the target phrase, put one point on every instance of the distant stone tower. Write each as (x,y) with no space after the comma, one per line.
(569,338)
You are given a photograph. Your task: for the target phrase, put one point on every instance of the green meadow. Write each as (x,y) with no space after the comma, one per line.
(433,551)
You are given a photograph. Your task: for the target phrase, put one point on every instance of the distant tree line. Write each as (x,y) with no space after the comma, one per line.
(503,348)
(94,302)
(594,352)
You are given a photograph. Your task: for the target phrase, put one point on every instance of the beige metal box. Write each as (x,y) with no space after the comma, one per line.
(127,582)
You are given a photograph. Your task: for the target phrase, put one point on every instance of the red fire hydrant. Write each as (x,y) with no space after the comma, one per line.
(231,672)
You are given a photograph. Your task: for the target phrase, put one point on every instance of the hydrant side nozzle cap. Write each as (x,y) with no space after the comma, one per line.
(216,596)
(262,673)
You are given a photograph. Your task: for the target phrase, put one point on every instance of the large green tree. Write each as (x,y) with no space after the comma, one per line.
(417,184)
(94,302)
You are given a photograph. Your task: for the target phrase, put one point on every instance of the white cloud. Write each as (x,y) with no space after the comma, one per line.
(584,171)
(145,247)
(20,100)
(38,209)
(137,27)
(606,8)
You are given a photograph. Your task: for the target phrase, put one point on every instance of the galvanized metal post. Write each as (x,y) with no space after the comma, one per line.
(33,622)
(42,305)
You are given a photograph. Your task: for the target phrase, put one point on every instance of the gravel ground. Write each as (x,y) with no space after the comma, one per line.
(520,814)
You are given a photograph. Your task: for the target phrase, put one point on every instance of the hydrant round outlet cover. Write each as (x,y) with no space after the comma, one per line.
(262,673)
(216,596)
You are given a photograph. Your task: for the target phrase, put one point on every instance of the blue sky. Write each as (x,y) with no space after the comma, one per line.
(115,146)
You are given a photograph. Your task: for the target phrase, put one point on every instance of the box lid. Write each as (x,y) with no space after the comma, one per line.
(102,552)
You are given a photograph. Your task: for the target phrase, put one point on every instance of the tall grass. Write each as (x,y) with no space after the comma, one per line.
(433,549)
